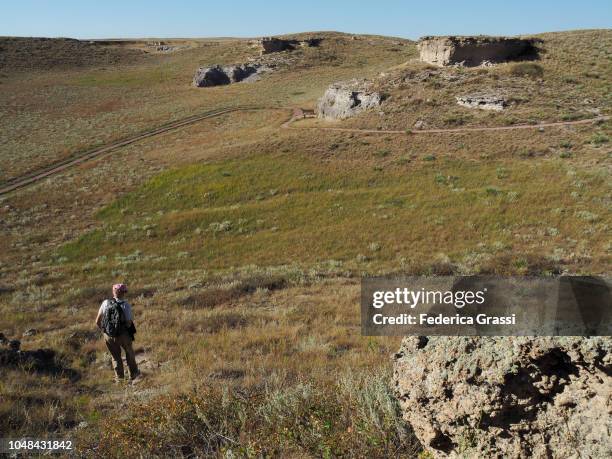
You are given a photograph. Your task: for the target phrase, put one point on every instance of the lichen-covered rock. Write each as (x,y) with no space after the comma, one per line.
(473,51)
(217,75)
(494,102)
(507,396)
(346,99)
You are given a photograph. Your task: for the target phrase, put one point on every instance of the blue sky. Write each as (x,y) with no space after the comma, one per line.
(240,18)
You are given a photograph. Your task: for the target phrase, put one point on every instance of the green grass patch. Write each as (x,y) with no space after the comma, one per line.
(279,210)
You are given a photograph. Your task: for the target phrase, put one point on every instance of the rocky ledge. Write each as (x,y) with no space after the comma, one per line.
(251,71)
(507,396)
(274,45)
(217,75)
(474,51)
(483,101)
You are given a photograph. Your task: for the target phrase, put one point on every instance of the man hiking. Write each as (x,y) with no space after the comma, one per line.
(115,319)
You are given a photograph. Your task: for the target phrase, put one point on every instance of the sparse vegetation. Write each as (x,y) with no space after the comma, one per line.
(527,69)
(254,237)
(348,418)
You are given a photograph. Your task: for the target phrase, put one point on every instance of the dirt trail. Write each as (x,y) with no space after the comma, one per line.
(297,114)
(35,176)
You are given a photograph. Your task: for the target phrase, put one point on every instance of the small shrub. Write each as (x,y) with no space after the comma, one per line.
(502,173)
(383,153)
(587,216)
(493,191)
(527,69)
(403,161)
(571,116)
(440,179)
(512,196)
(456,120)
(219,227)
(599,139)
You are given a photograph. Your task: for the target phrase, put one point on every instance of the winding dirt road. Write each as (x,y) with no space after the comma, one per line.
(297,114)
(60,166)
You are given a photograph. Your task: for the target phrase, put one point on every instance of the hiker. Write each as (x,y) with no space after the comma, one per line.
(115,319)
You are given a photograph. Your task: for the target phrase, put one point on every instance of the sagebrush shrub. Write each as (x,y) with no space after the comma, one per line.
(527,69)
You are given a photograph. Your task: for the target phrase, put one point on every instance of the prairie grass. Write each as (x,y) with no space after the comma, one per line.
(242,244)
(271,210)
(52,114)
(354,416)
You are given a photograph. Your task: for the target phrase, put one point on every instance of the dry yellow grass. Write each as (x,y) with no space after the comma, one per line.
(252,326)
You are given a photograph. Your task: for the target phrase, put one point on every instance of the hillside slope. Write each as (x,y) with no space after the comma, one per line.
(243,242)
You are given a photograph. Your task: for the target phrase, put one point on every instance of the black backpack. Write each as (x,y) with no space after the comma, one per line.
(113,323)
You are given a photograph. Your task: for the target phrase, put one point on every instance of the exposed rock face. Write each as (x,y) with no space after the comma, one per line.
(274,45)
(473,51)
(507,397)
(217,75)
(346,99)
(483,101)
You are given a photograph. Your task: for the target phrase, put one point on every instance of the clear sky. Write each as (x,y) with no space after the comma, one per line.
(244,18)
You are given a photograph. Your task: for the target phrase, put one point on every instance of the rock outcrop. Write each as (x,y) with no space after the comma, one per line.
(346,99)
(217,75)
(274,45)
(483,101)
(507,396)
(247,72)
(474,51)
(39,360)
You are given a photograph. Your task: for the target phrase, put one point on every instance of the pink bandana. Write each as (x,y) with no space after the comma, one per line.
(119,288)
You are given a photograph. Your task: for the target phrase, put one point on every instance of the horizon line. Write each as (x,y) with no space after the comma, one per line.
(245,37)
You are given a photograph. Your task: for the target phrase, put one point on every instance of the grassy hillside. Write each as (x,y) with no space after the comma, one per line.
(50,115)
(243,243)
(569,81)
(273,210)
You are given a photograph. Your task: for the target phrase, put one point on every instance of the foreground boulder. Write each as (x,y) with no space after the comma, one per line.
(217,75)
(507,396)
(346,99)
(494,102)
(474,51)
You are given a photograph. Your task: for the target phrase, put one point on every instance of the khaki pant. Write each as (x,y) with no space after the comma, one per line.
(114,345)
